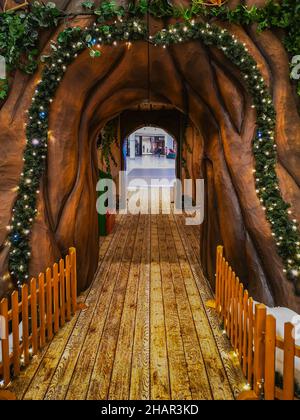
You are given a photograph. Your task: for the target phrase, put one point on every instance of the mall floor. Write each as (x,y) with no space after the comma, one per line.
(149,170)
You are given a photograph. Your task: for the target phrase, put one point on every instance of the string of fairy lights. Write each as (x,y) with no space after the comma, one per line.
(74,40)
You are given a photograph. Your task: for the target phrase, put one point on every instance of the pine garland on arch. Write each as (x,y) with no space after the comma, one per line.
(20,29)
(72,42)
(109,136)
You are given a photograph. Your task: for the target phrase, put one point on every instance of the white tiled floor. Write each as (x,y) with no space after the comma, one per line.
(150,171)
(150,161)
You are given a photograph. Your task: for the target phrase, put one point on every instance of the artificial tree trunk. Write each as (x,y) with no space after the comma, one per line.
(96,90)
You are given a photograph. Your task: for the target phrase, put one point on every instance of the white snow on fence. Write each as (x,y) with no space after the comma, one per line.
(282,316)
(10,341)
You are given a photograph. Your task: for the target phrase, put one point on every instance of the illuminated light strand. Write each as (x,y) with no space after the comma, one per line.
(284,230)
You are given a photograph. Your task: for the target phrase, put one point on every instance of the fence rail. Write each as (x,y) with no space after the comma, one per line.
(252,333)
(31,318)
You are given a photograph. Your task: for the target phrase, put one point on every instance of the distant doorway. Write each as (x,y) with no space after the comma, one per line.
(150,158)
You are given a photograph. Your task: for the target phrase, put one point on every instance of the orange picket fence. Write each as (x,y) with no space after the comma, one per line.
(30,319)
(252,333)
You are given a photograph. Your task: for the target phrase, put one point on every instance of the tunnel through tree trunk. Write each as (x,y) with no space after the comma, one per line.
(188,76)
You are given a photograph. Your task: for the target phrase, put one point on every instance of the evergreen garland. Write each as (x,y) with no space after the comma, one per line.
(108,138)
(73,41)
(70,43)
(4,88)
(284,230)
(19,30)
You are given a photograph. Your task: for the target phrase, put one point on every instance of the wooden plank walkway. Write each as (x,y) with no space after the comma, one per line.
(146,332)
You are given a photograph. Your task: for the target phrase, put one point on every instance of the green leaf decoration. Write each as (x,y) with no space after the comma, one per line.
(3,88)
(95,53)
(88,5)
(20,30)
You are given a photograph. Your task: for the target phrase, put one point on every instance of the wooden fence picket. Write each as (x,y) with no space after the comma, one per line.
(44,306)
(227,314)
(236,313)
(250,341)
(253,335)
(226,273)
(49,308)
(228,318)
(269,385)
(5,343)
(42,313)
(15,332)
(73,280)
(259,347)
(217,294)
(55,298)
(25,324)
(233,281)
(68,288)
(240,322)
(289,362)
(245,332)
(33,311)
(62,292)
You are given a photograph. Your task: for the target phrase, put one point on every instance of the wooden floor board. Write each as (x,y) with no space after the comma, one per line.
(140,373)
(199,382)
(179,380)
(102,372)
(146,332)
(234,376)
(120,380)
(159,363)
(54,374)
(214,367)
(80,381)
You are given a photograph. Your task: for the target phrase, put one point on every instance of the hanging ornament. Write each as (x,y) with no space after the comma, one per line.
(15,238)
(42,115)
(35,142)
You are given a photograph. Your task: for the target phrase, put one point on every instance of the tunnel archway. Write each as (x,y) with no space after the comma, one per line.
(148,153)
(156,115)
(226,123)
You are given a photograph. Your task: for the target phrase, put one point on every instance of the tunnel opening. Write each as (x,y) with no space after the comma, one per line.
(198,82)
(149,155)
(146,325)
(149,144)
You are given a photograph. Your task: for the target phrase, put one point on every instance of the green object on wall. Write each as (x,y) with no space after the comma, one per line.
(102,217)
